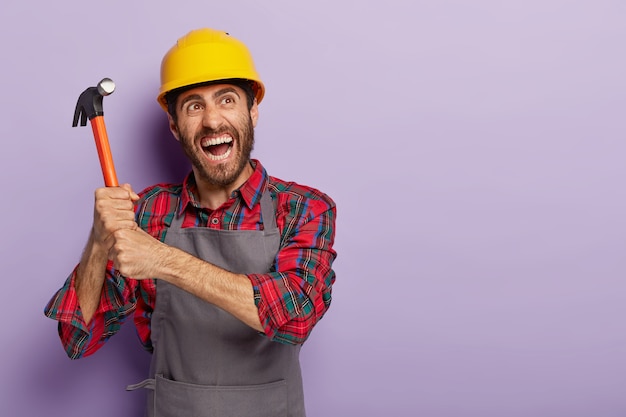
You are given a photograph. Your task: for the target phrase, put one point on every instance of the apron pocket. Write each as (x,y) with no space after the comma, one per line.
(176,399)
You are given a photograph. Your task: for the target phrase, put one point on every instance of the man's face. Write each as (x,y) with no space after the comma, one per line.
(216,130)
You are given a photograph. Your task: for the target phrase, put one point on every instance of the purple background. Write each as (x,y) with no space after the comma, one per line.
(476,154)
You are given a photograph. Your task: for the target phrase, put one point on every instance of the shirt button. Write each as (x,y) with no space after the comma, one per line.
(215,220)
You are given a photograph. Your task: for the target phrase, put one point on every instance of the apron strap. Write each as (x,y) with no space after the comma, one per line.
(268,212)
(146,383)
(177,220)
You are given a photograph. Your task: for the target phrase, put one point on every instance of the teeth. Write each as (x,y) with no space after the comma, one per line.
(216,141)
(219,157)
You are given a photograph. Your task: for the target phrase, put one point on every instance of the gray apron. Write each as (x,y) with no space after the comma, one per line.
(207,363)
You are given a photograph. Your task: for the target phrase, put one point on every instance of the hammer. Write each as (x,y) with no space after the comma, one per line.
(89,105)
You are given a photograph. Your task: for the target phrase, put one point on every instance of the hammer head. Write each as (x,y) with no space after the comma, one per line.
(89,103)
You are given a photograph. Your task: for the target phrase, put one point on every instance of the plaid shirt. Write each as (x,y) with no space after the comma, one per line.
(291,297)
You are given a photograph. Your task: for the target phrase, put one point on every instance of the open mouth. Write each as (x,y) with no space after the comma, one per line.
(219,148)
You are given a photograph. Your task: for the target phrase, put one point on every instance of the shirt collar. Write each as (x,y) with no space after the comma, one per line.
(188,193)
(250,191)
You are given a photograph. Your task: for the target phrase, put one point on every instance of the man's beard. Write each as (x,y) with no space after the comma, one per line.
(222,175)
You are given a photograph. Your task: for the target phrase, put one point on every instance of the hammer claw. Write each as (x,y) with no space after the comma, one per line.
(79,113)
(89,106)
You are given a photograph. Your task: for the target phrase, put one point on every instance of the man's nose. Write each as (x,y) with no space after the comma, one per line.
(212,118)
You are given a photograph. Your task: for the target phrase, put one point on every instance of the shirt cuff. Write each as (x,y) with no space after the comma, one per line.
(64,307)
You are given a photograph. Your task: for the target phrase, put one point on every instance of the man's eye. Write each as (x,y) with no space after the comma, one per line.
(227,100)
(194,107)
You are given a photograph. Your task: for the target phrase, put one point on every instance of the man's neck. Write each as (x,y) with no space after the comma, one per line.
(213,196)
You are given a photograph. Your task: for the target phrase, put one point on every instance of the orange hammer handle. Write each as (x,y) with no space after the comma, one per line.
(104,151)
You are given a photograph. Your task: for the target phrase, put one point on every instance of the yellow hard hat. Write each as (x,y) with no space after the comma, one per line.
(205,55)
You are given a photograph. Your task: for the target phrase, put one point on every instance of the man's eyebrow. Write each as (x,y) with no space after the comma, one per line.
(225,90)
(217,94)
(190,97)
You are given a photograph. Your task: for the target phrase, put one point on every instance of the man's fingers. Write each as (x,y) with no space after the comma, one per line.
(113,210)
(115,202)
(131,194)
(134,252)
(111,225)
(123,192)
(109,193)
(104,205)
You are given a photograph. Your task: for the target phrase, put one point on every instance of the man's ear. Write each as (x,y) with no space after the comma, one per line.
(173,127)
(254,113)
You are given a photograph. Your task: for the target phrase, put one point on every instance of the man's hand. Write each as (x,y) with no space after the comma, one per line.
(113,210)
(136,254)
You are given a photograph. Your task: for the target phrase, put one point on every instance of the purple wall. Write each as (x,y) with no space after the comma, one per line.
(476,154)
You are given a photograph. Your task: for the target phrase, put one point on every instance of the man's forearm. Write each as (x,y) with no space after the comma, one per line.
(229,291)
(90,278)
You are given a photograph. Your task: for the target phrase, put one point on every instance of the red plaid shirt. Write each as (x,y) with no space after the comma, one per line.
(291,297)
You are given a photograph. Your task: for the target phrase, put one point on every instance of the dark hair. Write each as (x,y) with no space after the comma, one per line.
(172,96)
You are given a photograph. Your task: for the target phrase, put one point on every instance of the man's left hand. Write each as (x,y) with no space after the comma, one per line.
(136,254)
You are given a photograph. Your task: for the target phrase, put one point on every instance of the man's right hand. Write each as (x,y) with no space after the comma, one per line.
(113,210)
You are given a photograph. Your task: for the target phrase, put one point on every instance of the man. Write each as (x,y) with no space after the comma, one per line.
(230,269)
